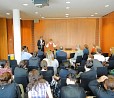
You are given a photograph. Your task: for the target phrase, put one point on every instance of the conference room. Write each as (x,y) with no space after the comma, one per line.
(67,22)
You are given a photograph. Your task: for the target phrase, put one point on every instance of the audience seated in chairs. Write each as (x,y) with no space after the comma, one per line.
(78,52)
(60,55)
(103,87)
(38,87)
(21,74)
(51,62)
(72,90)
(8,89)
(47,74)
(87,76)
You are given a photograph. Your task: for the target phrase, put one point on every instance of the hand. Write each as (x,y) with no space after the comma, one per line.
(102,78)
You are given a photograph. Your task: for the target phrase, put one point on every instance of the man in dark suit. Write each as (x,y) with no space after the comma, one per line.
(88,75)
(103,91)
(41,44)
(72,90)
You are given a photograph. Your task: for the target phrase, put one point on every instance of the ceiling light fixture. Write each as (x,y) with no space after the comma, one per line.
(36,12)
(95,13)
(66,14)
(67,2)
(25,4)
(67,7)
(106,5)
(92,15)
(42,17)
(7,13)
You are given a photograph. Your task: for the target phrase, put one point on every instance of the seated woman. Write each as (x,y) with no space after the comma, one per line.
(38,87)
(51,62)
(8,89)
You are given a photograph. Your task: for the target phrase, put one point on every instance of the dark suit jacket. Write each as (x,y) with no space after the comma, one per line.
(86,77)
(39,45)
(72,91)
(99,92)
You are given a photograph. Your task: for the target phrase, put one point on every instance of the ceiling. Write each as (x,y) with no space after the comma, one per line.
(57,9)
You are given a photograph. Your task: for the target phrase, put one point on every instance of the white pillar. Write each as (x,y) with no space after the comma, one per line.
(17,34)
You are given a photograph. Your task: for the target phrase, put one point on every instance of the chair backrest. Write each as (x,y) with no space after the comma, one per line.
(32,67)
(61,58)
(13,64)
(72,55)
(62,82)
(102,71)
(79,59)
(51,68)
(105,54)
(22,80)
(81,69)
(111,64)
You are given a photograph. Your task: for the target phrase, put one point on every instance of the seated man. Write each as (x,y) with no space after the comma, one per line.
(103,91)
(24,54)
(61,55)
(72,90)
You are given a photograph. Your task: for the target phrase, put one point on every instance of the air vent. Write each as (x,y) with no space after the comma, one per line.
(41,3)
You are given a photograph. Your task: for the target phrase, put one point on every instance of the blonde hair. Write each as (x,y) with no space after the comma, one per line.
(50,56)
(112,50)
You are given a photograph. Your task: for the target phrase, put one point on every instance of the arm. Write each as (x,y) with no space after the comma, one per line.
(95,85)
(29,94)
(49,92)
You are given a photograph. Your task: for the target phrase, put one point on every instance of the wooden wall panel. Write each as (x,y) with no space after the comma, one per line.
(3,39)
(26,34)
(107,38)
(69,32)
(10,36)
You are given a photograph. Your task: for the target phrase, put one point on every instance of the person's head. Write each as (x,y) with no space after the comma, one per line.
(43,64)
(50,40)
(5,78)
(23,64)
(4,63)
(88,65)
(61,48)
(109,83)
(66,64)
(35,54)
(50,55)
(71,79)
(78,47)
(41,37)
(112,50)
(98,49)
(24,48)
(34,78)
(86,46)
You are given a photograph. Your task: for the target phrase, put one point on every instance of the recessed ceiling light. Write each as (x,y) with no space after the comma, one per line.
(67,1)
(92,15)
(7,13)
(36,12)
(67,7)
(95,13)
(20,18)
(42,17)
(106,5)
(66,14)
(25,4)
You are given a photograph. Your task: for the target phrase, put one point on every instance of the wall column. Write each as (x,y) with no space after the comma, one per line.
(17,34)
